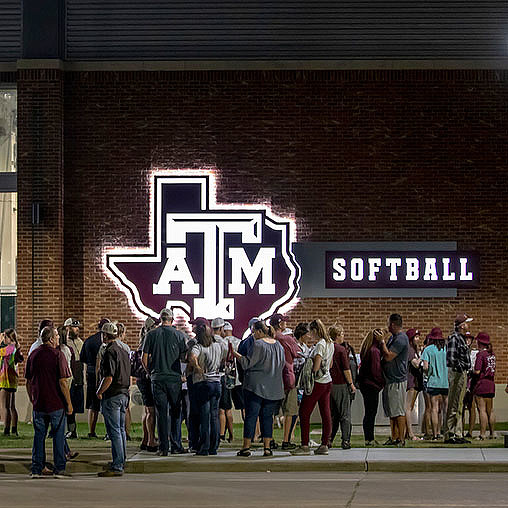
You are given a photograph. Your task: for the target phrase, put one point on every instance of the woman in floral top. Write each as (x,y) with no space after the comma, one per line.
(10,356)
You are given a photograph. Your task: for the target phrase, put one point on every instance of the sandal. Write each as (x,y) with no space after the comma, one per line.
(268,453)
(244,452)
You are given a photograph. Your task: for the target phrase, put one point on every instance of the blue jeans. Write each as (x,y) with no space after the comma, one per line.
(41,422)
(256,406)
(208,395)
(168,401)
(113,410)
(193,421)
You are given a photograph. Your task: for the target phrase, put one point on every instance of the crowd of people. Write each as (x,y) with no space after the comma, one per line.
(198,378)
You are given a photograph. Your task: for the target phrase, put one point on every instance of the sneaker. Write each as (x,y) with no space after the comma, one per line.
(180,451)
(288,446)
(268,452)
(390,442)
(273,445)
(400,444)
(301,450)
(36,475)
(321,450)
(109,473)
(72,455)
(244,452)
(71,435)
(369,443)
(61,474)
(468,435)
(346,445)
(92,435)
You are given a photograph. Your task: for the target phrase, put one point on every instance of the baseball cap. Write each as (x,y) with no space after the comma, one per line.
(436,333)
(109,328)
(275,319)
(167,313)
(102,322)
(462,318)
(218,322)
(252,321)
(483,338)
(72,322)
(199,321)
(412,332)
(228,326)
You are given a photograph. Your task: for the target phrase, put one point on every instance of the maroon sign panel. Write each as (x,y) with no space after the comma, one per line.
(410,269)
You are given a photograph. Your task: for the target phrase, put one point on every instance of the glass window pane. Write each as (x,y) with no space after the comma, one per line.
(8,129)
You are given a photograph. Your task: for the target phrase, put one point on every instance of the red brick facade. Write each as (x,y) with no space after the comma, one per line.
(352,155)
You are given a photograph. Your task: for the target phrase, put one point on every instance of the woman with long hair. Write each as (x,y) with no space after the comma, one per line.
(371,381)
(485,389)
(10,356)
(414,379)
(263,387)
(205,359)
(323,356)
(148,443)
(434,363)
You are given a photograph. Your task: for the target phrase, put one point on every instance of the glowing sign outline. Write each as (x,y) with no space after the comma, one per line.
(206,178)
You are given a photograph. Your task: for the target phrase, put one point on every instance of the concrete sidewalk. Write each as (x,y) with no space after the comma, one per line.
(17,461)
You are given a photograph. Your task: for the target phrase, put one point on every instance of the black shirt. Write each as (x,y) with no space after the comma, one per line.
(165,345)
(89,352)
(116,364)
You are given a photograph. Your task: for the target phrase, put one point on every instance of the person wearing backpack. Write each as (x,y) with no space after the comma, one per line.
(343,389)
(322,361)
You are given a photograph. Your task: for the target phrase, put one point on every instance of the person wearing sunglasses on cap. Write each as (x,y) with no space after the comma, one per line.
(458,360)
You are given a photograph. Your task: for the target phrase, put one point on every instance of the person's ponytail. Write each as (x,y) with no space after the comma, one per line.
(318,326)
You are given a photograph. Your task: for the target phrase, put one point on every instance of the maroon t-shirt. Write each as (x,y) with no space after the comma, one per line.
(44,369)
(486,364)
(339,365)
(291,351)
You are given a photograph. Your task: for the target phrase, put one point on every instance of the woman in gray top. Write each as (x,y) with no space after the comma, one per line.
(205,360)
(262,386)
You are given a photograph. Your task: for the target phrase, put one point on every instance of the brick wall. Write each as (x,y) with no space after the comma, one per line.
(354,156)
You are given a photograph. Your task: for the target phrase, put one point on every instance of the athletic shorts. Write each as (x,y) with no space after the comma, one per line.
(290,403)
(77,398)
(237,397)
(394,399)
(145,388)
(437,391)
(225,402)
(92,402)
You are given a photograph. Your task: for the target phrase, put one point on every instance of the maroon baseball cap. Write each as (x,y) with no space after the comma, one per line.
(275,319)
(102,322)
(199,321)
(483,338)
(436,334)
(462,318)
(412,332)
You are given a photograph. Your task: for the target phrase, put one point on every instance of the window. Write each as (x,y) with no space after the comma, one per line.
(8,208)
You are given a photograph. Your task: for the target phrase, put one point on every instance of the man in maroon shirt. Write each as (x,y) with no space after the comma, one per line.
(343,389)
(47,376)
(291,351)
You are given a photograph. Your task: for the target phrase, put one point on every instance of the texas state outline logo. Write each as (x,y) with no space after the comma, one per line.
(207,259)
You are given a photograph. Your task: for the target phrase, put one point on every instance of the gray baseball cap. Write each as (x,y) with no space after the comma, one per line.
(166,313)
(109,328)
(217,322)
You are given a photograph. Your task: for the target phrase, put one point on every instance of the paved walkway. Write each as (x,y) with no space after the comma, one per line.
(17,461)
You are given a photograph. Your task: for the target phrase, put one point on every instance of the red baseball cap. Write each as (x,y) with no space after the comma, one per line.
(199,321)
(462,318)
(412,332)
(483,338)
(275,319)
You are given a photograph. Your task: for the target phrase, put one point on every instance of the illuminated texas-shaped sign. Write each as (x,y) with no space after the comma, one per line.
(206,259)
